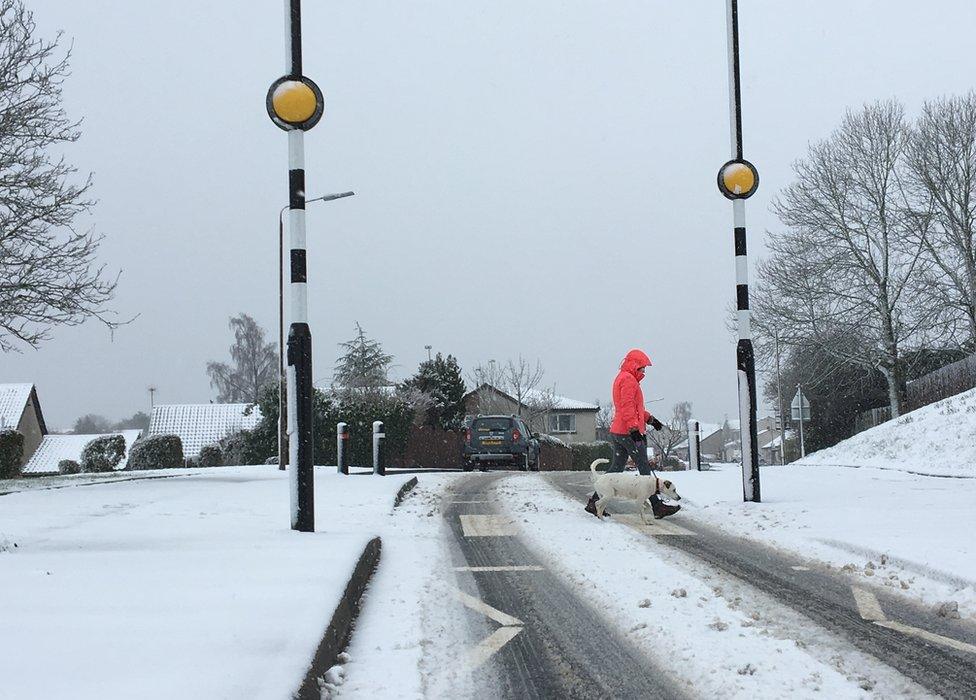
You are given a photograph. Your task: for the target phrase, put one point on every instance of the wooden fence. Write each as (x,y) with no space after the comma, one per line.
(942,383)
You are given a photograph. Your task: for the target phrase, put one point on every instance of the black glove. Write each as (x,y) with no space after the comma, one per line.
(655,423)
(635,435)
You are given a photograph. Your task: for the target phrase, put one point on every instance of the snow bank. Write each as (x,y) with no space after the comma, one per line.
(406,641)
(938,439)
(915,530)
(190,587)
(723,639)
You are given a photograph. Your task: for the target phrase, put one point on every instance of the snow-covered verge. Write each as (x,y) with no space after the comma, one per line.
(57,481)
(406,641)
(192,587)
(909,533)
(687,616)
(938,439)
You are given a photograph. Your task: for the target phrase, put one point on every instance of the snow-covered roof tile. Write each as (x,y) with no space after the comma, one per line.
(13,400)
(54,448)
(201,424)
(560,403)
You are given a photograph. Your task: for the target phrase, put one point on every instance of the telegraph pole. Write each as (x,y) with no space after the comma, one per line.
(738,180)
(295,104)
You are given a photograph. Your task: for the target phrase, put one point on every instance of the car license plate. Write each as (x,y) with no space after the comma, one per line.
(491,443)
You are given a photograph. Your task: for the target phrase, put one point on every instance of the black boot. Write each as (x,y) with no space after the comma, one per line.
(591,505)
(662,509)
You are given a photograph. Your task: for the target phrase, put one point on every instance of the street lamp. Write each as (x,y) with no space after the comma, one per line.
(428,349)
(738,180)
(282,410)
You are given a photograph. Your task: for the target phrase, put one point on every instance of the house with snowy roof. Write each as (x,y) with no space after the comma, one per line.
(21,411)
(571,420)
(201,424)
(55,448)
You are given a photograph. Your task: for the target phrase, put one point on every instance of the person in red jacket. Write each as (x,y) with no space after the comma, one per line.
(627,432)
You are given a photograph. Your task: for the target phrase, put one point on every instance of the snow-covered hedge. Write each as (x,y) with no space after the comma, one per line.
(156,452)
(103,454)
(11,453)
(210,456)
(69,466)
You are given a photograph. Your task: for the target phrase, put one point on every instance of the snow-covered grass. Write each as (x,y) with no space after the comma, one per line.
(407,640)
(916,532)
(191,587)
(57,481)
(937,439)
(689,617)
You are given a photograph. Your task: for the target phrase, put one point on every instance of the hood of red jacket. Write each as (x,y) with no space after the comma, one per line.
(634,360)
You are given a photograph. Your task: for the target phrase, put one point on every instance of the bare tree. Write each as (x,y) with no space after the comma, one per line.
(492,375)
(520,380)
(604,419)
(254,364)
(674,431)
(941,155)
(840,275)
(48,270)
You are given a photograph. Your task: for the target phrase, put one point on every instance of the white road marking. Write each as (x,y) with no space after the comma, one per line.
(480,606)
(867,604)
(870,609)
(487,526)
(490,645)
(927,636)
(498,568)
(800,568)
(653,527)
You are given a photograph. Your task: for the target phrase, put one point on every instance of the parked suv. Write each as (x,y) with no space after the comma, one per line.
(500,440)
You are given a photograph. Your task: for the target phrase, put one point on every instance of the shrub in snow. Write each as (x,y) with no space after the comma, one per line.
(11,453)
(157,452)
(103,454)
(585,452)
(68,466)
(242,448)
(210,456)
(191,462)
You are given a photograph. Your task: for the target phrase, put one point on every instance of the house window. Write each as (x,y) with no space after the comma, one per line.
(562,422)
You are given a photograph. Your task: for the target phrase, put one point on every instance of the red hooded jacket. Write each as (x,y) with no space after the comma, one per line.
(628,399)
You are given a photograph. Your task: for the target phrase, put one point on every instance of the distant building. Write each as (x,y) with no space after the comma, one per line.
(54,448)
(720,442)
(21,411)
(200,424)
(570,420)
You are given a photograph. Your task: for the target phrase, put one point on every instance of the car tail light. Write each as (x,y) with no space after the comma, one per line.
(467,436)
(516,435)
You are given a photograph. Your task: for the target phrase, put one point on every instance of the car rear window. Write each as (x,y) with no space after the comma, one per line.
(492,425)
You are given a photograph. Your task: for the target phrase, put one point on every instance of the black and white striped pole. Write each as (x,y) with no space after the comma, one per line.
(295,104)
(738,180)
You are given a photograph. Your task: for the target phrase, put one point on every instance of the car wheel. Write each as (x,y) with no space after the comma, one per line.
(535,465)
(467,466)
(524,466)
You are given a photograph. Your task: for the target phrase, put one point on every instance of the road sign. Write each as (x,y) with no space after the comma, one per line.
(800,404)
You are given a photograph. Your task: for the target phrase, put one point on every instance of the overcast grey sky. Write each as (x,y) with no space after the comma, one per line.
(534,178)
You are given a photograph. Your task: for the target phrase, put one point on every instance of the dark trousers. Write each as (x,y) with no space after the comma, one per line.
(624,447)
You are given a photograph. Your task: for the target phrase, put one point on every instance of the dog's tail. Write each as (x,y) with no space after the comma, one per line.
(596,463)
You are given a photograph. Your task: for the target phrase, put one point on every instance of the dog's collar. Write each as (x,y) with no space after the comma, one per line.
(657,485)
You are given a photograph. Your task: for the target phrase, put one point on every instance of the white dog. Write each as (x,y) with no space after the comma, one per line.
(637,488)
